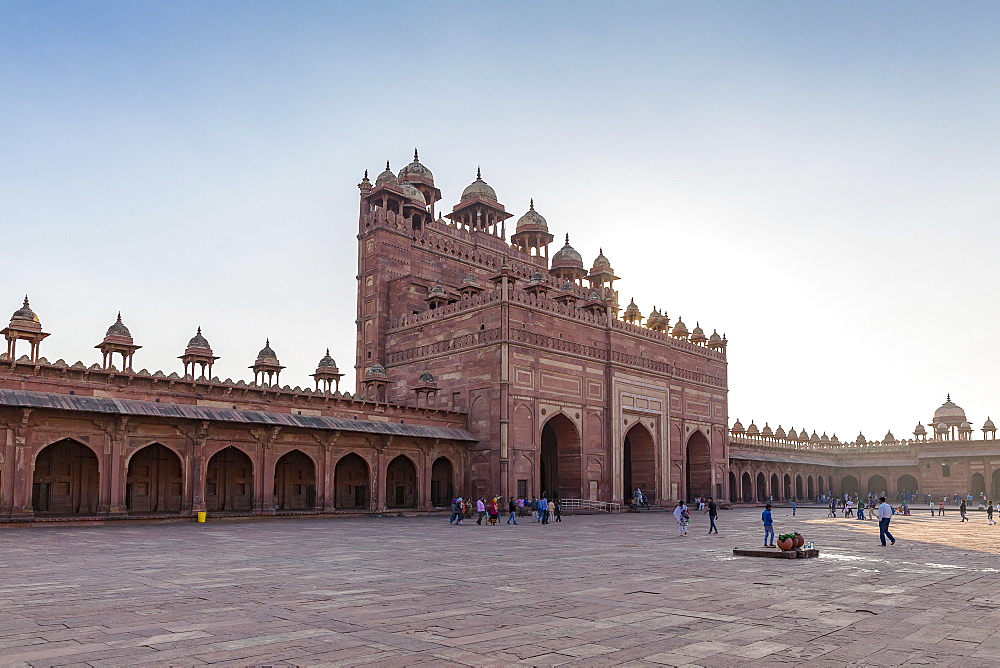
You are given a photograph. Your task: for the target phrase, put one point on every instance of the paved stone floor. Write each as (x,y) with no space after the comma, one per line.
(594,590)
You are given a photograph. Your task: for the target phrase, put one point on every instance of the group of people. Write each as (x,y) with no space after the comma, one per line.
(883,511)
(683,515)
(489,509)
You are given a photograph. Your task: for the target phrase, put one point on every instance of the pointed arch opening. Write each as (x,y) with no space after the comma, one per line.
(996,484)
(561,459)
(761,487)
(978,485)
(442,482)
(786,490)
(775,491)
(401,483)
(810,488)
(747,495)
(66,480)
(154,482)
(822,488)
(698,466)
(229,481)
(878,486)
(639,467)
(798,487)
(906,486)
(295,482)
(849,485)
(351,482)
(733,488)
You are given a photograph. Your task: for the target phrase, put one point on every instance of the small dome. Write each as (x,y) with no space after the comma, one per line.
(199,341)
(376,370)
(437,290)
(889,438)
(779,432)
(941,428)
(815,438)
(861,440)
(767,431)
(715,338)
(737,427)
(266,353)
(327,361)
(413,194)
(824,438)
(965,426)
(24,314)
(680,330)
(537,277)
(118,328)
(919,430)
(415,168)
(753,430)
(792,434)
(632,310)
(532,220)
(698,335)
(988,425)
(387,177)
(480,188)
(834,439)
(949,413)
(601,262)
(427,378)
(470,279)
(567,257)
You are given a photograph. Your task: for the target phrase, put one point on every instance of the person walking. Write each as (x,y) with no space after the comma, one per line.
(768,526)
(461,512)
(884,515)
(558,508)
(941,507)
(543,510)
(849,508)
(861,510)
(481,509)
(681,515)
(520,506)
(512,509)
(833,508)
(989,513)
(534,509)
(493,510)
(455,504)
(962,509)
(637,498)
(713,514)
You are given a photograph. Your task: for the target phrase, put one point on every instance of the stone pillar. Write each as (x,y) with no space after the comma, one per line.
(378,478)
(195,471)
(327,493)
(424,479)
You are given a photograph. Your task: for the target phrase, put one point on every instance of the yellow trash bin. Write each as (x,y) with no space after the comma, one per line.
(202,515)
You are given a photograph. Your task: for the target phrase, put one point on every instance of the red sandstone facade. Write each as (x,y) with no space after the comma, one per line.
(563,397)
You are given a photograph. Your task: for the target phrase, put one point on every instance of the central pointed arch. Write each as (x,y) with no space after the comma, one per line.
(229,481)
(351,481)
(561,459)
(747,488)
(295,482)
(154,482)
(761,487)
(698,466)
(66,480)
(401,483)
(639,467)
(442,482)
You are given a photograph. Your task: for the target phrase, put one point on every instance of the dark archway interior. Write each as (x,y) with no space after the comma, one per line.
(849,485)
(877,485)
(155,483)
(733,489)
(810,488)
(761,487)
(561,460)
(747,481)
(66,480)
(640,463)
(698,465)
(978,485)
(906,483)
(442,483)
(350,478)
(775,491)
(295,482)
(798,487)
(401,483)
(229,482)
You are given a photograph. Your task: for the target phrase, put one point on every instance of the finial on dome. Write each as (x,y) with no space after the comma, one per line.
(267,342)
(949,394)
(415,158)
(199,330)
(387,166)
(327,351)
(26,301)
(479,173)
(567,241)
(366,173)
(119,316)
(531,207)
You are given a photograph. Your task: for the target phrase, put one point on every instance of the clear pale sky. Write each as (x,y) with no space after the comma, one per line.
(817,180)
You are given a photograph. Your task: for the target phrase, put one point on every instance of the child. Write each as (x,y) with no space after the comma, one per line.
(768,526)
(989,513)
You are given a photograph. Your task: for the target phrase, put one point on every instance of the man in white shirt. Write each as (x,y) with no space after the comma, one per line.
(884,515)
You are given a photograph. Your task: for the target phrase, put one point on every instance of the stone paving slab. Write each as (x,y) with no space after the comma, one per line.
(594,590)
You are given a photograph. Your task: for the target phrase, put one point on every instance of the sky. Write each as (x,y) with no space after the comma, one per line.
(818,181)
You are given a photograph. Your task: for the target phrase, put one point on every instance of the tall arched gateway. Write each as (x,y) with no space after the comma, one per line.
(295,482)
(65,480)
(154,483)
(761,487)
(442,482)
(561,459)
(401,483)
(229,481)
(351,481)
(698,465)
(639,467)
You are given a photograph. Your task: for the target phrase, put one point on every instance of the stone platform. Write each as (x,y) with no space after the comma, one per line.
(774,553)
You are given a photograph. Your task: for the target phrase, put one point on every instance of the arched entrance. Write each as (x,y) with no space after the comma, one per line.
(733,494)
(747,488)
(787,488)
(978,485)
(775,492)
(877,485)
(810,488)
(761,487)
(295,482)
(996,484)
(849,485)
(822,488)
(639,467)
(401,483)
(698,464)
(229,481)
(798,487)
(154,483)
(350,480)
(561,459)
(906,484)
(442,487)
(66,480)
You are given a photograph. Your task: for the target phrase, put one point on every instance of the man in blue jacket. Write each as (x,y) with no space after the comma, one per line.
(768,526)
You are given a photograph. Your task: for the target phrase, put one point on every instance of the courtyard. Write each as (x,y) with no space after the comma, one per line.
(593,590)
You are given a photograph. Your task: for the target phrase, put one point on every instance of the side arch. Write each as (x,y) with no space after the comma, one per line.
(154,481)
(66,479)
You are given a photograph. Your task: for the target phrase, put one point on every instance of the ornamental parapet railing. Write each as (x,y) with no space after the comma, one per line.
(441,347)
(465,304)
(679,344)
(770,443)
(554,343)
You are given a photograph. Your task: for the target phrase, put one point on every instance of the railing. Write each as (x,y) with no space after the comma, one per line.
(587,504)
